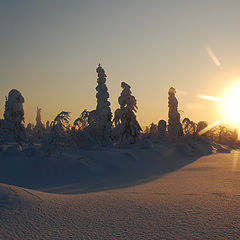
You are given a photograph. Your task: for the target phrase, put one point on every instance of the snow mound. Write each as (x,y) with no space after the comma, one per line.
(95,169)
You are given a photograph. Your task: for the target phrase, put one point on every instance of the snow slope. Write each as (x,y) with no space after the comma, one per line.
(81,171)
(198,201)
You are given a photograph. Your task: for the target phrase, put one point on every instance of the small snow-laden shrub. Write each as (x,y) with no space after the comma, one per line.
(153,133)
(59,137)
(84,131)
(189,127)
(156,133)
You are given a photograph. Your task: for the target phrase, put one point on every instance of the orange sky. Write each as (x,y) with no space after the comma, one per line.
(50,50)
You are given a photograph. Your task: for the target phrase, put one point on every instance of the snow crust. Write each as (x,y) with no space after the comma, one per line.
(198,201)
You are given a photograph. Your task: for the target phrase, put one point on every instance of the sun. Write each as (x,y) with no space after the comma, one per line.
(229,105)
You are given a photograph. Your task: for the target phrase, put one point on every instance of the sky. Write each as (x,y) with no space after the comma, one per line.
(49,50)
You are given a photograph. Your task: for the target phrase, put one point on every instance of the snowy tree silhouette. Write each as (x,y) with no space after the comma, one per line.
(59,128)
(174,124)
(162,125)
(189,127)
(100,119)
(39,130)
(13,126)
(82,122)
(127,128)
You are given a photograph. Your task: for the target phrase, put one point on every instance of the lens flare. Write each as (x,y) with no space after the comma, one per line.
(235,160)
(214,124)
(210,98)
(212,56)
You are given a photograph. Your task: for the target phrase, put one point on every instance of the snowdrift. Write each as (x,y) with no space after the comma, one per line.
(198,201)
(89,170)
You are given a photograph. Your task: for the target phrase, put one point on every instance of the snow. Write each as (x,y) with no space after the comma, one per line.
(198,201)
(143,191)
(30,166)
(89,182)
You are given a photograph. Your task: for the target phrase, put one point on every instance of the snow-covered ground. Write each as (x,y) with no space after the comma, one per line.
(81,171)
(164,192)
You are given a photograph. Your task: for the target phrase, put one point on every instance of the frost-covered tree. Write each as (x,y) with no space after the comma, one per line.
(100,119)
(13,123)
(82,122)
(127,127)
(174,124)
(48,129)
(39,130)
(60,125)
(29,129)
(59,134)
(39,123)
(162,125)
(82,132)
(153,128)
(189,127)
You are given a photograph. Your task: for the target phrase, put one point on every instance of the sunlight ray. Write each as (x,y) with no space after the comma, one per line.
(235,160)
(212,56)
(214,124)
(210,98)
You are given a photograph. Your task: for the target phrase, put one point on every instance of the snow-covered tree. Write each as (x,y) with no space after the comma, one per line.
(39,123)
(29,130)
(100,119)
(13,123)
(162,125)
(174,124)
(127,127)
(189,127)
(82,132)
(82,122)
(153,128)
(39,130)
(59,134)
(59,126)
(48,129)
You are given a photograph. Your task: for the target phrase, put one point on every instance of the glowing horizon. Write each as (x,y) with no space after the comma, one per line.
(50,51)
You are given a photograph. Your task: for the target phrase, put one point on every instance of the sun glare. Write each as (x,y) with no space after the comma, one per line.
(230,105)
